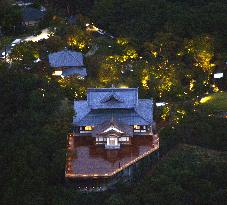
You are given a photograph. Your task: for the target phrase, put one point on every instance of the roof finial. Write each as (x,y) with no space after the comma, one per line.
(112,86)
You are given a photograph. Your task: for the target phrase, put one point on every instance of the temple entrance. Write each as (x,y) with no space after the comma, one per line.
(112,142)
(113,134)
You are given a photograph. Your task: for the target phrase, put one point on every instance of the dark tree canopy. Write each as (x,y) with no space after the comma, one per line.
(168,48)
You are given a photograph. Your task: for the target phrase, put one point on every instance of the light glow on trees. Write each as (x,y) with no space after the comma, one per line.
(205,99)
(145,79)
(122,41)
(192,85)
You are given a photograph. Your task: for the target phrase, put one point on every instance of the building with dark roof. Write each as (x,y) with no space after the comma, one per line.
(67,63)
(31,16)
(113,131)
(121,104)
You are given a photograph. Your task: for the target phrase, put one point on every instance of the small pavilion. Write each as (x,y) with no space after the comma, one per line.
(67,63)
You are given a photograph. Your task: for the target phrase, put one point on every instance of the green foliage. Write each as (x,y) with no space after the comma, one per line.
(188,175)
(34,124)
(54,44)
(184,178)
(196,129)
(183,18)
(4,41)
(70,7)
(215,102)
(169,49)
(115,199)
(24,54)
(78,39)
(10,17)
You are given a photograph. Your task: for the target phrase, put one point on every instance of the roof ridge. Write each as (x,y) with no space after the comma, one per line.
(98,89)
(70,53)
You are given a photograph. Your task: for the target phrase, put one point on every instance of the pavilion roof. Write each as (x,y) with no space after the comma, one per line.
(31,14)
(141,114)
(66,58)
(102,98)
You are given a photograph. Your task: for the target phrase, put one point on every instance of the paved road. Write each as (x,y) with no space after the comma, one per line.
(43,35)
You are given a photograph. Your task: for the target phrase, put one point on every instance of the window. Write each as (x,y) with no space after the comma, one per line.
(144,129)
(88,128)
(124,139)
(57,72)
(136,127)
(140,128)
(112,141)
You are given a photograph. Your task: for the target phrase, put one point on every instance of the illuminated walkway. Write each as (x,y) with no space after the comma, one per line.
(45,33)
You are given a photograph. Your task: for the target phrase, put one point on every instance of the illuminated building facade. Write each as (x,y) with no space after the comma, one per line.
(113,112)
(113,131)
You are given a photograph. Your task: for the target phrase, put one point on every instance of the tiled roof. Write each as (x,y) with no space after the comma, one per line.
(81,110)
(145,109)
(31,14)
(102,98)
(126,116)
(66,58)
(102,106)
(75,71)
(124,128)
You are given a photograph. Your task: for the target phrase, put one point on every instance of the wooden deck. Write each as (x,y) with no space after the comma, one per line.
(87,160)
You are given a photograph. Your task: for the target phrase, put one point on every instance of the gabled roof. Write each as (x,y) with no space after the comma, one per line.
(121,104)
(110,98)
(31,14)
(66,58)
(112,126)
